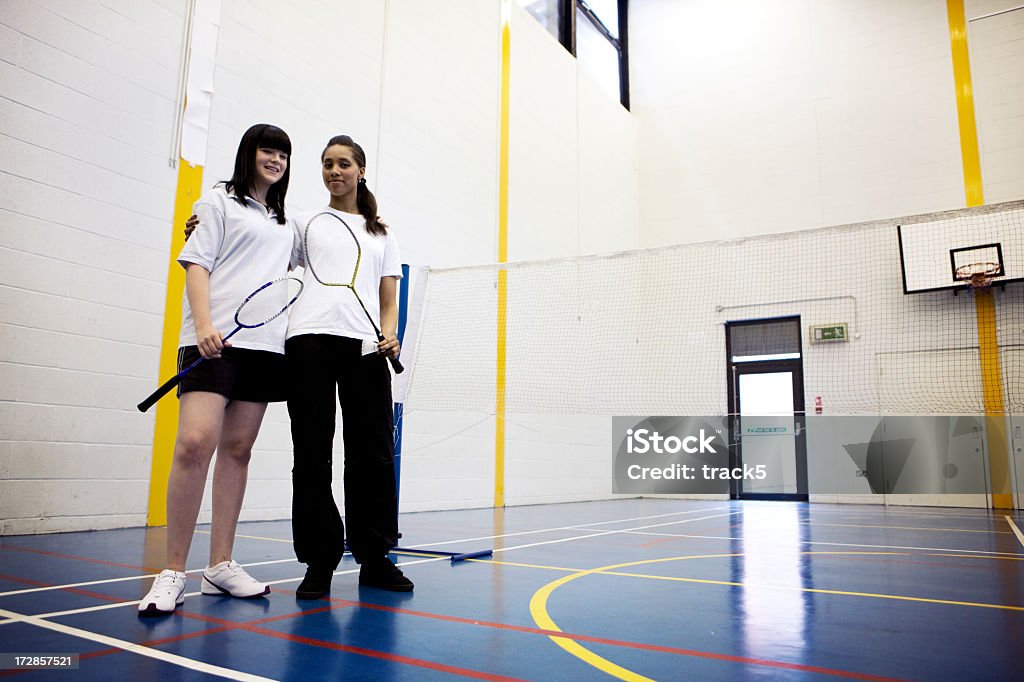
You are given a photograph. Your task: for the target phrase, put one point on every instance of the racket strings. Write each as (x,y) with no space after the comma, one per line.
(268,302)
(333,253)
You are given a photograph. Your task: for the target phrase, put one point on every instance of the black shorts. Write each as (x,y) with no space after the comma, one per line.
(257,376)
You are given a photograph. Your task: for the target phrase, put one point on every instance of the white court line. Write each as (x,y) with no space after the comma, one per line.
(1016,530)
(578,526)
(639,530)
(834,544)
(592,534)
(118,605)
(597,534)
(133,648)
(40,621)
(29,590)
(854,508)
(252,537)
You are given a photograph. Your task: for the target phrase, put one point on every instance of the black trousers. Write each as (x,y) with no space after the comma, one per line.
(320,365)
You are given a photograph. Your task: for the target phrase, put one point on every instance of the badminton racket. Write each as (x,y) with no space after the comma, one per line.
(267,303)
(333,256)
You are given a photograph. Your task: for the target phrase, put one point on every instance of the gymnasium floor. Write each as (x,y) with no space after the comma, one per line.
(633,588)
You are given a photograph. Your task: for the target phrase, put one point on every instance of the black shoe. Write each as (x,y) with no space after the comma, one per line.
(316,584)
(385,575)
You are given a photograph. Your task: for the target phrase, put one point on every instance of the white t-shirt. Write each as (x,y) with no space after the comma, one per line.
(335,310)
(242,245)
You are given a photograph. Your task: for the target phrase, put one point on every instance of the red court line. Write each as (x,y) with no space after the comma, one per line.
(253,627)
(200,633)
(501,626)
(624,643)
(73,590)
(371,653)
(101,562)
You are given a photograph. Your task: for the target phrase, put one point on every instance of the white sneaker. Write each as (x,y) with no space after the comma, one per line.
(228,577)
(167,594)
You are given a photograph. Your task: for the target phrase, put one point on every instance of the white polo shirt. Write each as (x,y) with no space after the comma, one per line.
(243,247)
(334,310)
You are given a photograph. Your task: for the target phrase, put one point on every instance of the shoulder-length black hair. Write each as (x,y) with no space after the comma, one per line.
(365,201)
(261,136)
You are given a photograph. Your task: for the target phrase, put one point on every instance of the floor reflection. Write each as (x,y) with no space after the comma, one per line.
(773,608)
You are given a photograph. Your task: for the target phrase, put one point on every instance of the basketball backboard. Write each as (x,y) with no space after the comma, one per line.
(941,254)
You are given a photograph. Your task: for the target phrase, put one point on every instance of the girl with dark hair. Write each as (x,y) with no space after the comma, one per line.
(326,328)
(222,401)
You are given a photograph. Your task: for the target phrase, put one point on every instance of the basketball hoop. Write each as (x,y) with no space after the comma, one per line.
(978,275)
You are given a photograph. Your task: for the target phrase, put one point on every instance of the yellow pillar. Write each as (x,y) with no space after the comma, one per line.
(988,344)
(503,179)
(190,180)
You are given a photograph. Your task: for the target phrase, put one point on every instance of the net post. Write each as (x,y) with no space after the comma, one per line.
(403,313)
(399,409)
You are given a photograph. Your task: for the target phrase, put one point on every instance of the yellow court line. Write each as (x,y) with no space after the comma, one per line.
(538,603)
(820,543)
(910,512)
(862,525)
(251,537)
(609,570)
(517,564)
(815,590)
(978,556)
(538,609)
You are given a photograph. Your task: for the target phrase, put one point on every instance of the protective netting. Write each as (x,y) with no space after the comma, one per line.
(643,332)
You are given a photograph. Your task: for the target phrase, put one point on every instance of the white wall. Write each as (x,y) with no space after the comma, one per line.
(995,35)
(572,190)
(89,106)
(758,117)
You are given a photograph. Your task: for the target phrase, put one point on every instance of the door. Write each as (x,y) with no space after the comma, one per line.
(766,403)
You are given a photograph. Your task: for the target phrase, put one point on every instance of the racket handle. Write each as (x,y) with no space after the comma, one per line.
(169,384)
(396,365)
(380,337)
(160,392)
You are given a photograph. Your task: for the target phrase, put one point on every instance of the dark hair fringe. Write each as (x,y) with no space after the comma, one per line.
(365,201)
(261,136)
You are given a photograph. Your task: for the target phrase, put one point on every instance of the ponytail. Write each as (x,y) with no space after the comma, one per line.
(367,204)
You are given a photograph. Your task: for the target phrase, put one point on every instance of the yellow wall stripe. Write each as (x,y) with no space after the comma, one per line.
(991,373)
(965,103)
(503,180)
(190,179)
(995,408)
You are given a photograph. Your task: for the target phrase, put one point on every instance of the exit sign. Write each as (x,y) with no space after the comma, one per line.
(828,333)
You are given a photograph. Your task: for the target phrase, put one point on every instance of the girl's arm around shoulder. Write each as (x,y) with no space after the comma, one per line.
(297,223)
(205,242)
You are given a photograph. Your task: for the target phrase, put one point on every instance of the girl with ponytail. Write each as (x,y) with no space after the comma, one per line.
(325,358)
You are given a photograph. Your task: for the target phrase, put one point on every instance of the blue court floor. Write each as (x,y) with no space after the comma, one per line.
(630,589)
